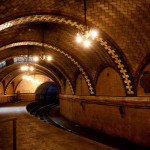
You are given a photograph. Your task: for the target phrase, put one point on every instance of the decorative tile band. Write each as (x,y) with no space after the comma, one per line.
(71,88)
(125,75)
(87,79)
(41,18)
(120,65)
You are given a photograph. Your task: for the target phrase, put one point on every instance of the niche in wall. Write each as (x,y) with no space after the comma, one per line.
(143,87)
(145,81)
(109,83)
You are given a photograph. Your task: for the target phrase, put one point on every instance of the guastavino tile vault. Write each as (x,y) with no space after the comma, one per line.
(88,60)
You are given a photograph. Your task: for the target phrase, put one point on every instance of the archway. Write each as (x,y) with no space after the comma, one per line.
(47,93)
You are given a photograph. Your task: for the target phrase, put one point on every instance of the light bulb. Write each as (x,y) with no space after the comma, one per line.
(35,58)
(49,58)
(78,34)
(79,39)
(23,68)
(87,43)
(31,68)
(93,34)
(23,77)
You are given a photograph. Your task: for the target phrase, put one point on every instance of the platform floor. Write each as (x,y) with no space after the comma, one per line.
(34,134)
(118,143)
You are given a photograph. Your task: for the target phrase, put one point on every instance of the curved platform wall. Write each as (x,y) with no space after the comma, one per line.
(109,111)
(124,117)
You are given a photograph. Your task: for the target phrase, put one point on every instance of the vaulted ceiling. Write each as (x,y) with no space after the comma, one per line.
(123,36)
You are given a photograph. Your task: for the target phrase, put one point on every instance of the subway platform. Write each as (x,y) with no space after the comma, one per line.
(34,134)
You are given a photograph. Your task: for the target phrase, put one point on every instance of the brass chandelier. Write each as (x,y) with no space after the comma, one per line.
(86,35)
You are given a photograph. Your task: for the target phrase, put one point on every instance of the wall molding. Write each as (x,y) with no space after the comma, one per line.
(134,102)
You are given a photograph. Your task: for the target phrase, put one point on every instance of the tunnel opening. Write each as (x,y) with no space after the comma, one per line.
(47,93)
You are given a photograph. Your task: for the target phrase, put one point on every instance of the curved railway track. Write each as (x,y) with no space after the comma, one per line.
(42,112)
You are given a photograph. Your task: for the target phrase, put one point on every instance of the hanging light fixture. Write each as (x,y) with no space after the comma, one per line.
(43,55)
(29,78)
(27,67)
(85,35)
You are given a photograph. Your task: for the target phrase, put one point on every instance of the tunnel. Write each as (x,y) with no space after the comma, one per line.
(85,62)
(47,93)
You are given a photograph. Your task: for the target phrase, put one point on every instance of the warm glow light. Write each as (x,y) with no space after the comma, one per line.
(35,58)
(31,68)
(49,58)
(87,34)
(23,68)
(79,38)
(87,43)
(29,78)
(23,77)
(93,34)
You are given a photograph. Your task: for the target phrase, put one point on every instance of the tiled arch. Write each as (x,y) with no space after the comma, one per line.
(114,54)
(50,75)
(82,70)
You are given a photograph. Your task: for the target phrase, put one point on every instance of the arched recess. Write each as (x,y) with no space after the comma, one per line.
(81,86)
(109,83)
(110,48)
(143,82)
